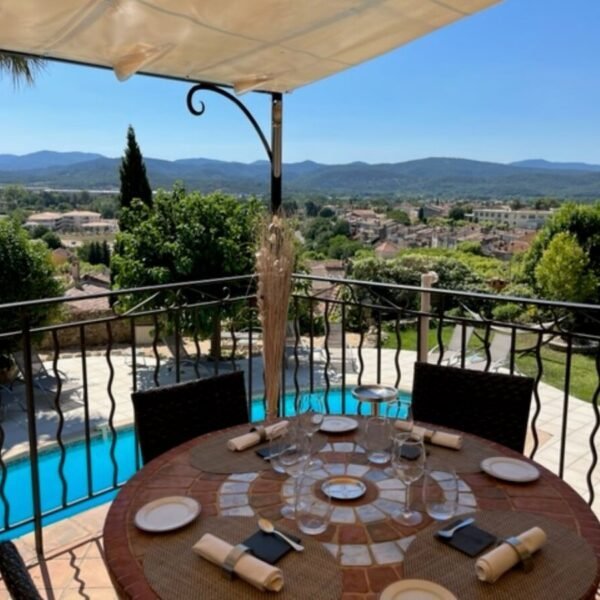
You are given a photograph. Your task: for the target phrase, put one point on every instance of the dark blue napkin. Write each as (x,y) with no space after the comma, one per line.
(470,539)
(268,546)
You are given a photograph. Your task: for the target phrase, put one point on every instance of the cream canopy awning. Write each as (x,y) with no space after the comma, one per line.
(269,45)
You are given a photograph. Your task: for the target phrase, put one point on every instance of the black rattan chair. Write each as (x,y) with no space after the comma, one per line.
(16,578)
(494,406)
(170,415)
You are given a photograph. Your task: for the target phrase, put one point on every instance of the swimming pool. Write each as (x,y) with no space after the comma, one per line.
(18,473)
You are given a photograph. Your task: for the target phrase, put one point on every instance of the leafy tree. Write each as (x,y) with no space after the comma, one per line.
(421,215)
(456,213)
(52,240)
(579,220)
(311,209)
(562,272)
(470,248)
(407,270)
(25,274)
(134,182)
(327,212)
(516,204)
(399,215)
(341,227)
(341,247)
(186,237)
(38,232)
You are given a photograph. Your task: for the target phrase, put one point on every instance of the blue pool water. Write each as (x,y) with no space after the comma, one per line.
(18,474)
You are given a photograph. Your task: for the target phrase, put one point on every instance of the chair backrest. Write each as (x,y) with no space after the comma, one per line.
(16,577)
(173,414)
(500,348)
(37,366)
(491,405)
(455,344)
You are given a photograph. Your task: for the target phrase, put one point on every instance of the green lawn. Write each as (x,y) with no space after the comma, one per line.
(584,378)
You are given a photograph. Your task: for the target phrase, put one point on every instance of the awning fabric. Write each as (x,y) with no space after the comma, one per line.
(271,45)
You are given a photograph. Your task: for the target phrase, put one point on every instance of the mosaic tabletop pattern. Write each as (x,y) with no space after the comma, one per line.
(368,544)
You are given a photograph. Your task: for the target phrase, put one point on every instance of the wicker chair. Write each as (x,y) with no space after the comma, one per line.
(16,578)
(170,415)
(491,405)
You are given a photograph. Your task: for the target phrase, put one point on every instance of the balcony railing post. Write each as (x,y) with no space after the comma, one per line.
(32,431)
(427,281)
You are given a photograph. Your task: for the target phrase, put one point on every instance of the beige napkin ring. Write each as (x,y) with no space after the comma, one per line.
(261,431)
(523,553)
(232,559)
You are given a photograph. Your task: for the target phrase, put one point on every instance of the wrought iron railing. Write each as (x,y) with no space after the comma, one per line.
(73,377)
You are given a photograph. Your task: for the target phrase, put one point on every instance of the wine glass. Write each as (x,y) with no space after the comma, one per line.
(408,461)
(440,491)
(293,458)
(310,410)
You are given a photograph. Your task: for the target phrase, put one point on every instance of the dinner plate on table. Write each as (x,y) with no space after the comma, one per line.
(338,424)
(510,469)
(167,514)
(416,589)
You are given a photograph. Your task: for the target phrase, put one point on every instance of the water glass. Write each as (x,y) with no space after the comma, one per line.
(310,410)
(313,514)
(408,461)
(378,433)
(440,491)
(290,454)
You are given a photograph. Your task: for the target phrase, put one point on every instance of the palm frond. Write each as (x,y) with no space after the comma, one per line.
(20,68)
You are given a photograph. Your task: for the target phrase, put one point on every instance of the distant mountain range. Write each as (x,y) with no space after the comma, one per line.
(444,177)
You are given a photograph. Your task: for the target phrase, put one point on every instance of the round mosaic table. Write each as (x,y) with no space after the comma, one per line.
(368,545)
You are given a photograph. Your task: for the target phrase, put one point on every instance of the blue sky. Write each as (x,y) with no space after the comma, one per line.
(519,80)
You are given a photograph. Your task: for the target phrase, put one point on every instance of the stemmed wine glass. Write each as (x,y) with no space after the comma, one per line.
(310,410)
(408,461)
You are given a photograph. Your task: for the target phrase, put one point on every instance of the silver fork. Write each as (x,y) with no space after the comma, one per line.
(448,533)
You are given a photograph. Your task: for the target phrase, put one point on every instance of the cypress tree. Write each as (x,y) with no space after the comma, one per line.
(105,253)
(134,183)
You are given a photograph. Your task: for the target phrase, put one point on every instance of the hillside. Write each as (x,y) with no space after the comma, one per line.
(445,177)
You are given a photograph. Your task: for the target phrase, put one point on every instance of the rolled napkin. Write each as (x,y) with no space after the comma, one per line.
(256,572)
(241,442)
(437,438)
(496,562)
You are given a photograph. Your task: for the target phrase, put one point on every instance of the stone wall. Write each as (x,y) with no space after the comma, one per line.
(96,334)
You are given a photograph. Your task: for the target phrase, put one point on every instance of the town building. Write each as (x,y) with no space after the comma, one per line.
(521,219)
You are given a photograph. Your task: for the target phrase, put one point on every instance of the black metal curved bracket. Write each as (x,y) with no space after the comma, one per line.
(273,151)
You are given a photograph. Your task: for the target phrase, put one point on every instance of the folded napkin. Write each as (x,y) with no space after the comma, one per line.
(241,442)
(256,572)
(496,562)
(437,438)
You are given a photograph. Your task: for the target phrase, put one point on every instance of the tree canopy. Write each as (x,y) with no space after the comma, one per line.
(26,273)
(185,237)
(563,271)
(582,223)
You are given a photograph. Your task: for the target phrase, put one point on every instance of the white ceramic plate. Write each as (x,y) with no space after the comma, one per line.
(166,514)
(509,469)
(416,589)
(338,424)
